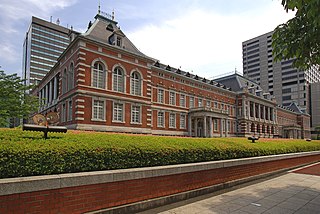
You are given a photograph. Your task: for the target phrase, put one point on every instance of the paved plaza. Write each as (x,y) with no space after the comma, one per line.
(297,191)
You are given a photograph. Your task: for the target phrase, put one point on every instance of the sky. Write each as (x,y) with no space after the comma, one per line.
(200,36)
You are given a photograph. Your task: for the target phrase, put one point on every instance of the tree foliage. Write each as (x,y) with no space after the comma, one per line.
(14,102)
(299,38)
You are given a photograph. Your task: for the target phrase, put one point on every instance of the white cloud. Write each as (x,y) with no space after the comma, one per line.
(8,52)
(15,14)
(206,42)
(15,10)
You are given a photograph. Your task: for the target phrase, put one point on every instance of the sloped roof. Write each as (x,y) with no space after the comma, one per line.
(103,28)
(294,107)
(237,82)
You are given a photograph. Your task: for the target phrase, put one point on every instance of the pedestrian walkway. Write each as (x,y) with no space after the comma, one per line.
(297,191)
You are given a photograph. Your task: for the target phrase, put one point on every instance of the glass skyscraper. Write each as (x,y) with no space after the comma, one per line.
(44,42)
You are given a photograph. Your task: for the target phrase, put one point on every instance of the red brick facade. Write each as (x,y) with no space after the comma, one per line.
(128,101)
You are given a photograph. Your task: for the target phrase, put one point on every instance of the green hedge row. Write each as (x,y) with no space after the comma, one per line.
(27,154)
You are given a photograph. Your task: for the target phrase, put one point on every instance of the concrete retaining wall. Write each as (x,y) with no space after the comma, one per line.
(90,191)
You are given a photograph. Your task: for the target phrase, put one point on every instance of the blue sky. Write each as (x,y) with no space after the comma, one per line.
(202,36)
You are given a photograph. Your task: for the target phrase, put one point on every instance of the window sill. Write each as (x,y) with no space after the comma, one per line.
(133,123)
(116,121)
(98,120)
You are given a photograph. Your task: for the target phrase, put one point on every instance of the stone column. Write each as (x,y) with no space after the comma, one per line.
(211,127)
(204,126)
(189,126)
(221,127)
(269,112)
(226,127)
(50,91)
(243,108)
(40,95)
(55,85)
(254,110)
(46,94)
(195,127)
(259,113)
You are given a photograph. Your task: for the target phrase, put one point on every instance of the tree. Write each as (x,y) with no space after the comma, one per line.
(299,38)
(14,102)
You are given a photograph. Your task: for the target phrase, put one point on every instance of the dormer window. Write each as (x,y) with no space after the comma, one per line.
(119,41)
(110,27)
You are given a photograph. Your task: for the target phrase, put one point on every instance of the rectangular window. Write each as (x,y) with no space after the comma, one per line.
(182,100)
(200,102)
(118,112)
(70,110)
(63,113)
(172,98)
(215,125)
(208,103)
(191,102)
(229,126)
(160,119)
(160,95)
(223,125)
(98,110)
(182,121)
(222,106)
(215,105)
(172,120)
(118,41)
(135,114)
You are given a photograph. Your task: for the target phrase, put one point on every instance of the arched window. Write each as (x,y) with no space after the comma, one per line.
(98,75)
(135,83)
(64,81)
(71,77)
(118,79)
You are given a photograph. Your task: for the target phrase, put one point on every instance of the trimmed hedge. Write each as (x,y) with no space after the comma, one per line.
(28,154)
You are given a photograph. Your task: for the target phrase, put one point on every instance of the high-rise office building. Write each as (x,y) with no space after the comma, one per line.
(287,83)
(315,105)
(44,42)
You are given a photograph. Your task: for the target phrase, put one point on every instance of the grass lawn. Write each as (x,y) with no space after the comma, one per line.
(27,153)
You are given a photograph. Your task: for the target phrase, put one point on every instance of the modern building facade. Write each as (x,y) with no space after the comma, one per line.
(315,105)
(43,44)
(103,82)
(281,79)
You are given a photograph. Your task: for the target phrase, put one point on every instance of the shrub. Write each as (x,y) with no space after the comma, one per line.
(28,154)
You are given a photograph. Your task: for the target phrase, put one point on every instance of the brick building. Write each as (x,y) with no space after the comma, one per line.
(103,82)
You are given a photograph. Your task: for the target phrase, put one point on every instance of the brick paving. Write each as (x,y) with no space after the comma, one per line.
(297,191)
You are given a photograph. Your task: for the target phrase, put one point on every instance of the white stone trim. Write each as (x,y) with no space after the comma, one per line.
(79,100)
(115,57)
(83,64)
(81,75)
